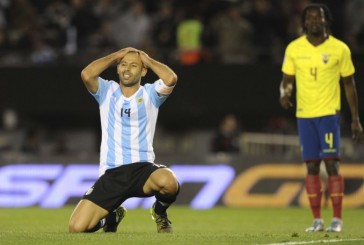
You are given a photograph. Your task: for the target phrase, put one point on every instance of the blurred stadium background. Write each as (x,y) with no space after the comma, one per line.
(227,55)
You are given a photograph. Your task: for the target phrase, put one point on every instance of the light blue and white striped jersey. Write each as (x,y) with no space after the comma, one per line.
(127,124)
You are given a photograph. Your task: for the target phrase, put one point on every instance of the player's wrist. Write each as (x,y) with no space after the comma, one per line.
(285,91)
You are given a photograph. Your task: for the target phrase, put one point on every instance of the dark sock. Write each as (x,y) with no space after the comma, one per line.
(164,201)
(161,207)
(97,227)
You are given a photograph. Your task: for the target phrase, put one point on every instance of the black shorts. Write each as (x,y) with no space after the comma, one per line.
(118,184)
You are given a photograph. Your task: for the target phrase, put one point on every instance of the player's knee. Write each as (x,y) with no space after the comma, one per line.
(173,186)
(332,167)
(313,167)
(75,227)
(169,183)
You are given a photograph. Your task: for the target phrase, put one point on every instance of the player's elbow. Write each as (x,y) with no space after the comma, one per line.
(89,80)
(86,75)
(171,80)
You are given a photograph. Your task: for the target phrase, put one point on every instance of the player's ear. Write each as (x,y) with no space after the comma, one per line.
(144,71)
(117,67)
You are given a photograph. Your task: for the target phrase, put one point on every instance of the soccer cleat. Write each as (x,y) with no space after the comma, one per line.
(162,221)
(335,226)
(318,225)
(113,219)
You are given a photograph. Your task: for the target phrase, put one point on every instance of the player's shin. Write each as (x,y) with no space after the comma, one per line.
(336,190)
(314,192)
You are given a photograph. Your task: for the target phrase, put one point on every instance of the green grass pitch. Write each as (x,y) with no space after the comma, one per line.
(219,225)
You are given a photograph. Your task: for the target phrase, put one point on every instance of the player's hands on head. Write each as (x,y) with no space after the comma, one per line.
(122,52)
(145,58)
(129,49)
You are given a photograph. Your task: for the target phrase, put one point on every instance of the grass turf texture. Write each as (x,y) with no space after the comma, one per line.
(214,226)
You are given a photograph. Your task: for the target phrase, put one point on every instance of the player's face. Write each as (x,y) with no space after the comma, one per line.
(131,69)
(315,22)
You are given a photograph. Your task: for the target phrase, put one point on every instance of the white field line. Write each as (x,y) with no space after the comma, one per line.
(317,241)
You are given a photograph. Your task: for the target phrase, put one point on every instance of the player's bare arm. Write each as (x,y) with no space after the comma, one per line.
(352,98)
(285,89)
(91,72)
(161,70)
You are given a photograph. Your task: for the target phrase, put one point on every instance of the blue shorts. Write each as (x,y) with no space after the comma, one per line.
(319,137)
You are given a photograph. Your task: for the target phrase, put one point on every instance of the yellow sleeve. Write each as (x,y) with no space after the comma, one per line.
(288,66)
(346,65)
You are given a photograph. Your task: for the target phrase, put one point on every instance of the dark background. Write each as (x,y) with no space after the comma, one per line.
(55,97)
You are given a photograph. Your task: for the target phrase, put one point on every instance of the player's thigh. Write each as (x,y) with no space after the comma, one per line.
(162,179)
(309,138)
(329,131)
(85,216)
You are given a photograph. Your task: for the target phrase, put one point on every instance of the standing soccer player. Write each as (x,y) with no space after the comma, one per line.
(128,113)
(317,61)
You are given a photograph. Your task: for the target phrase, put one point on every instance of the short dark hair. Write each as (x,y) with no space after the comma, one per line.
(327,13)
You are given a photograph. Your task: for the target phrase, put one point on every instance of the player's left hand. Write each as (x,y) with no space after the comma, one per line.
(145,58)
(357,132)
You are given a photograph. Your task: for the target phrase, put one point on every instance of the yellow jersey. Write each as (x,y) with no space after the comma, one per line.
(318,71)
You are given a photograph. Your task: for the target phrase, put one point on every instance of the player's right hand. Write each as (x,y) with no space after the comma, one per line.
(122,52)
(285,102)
